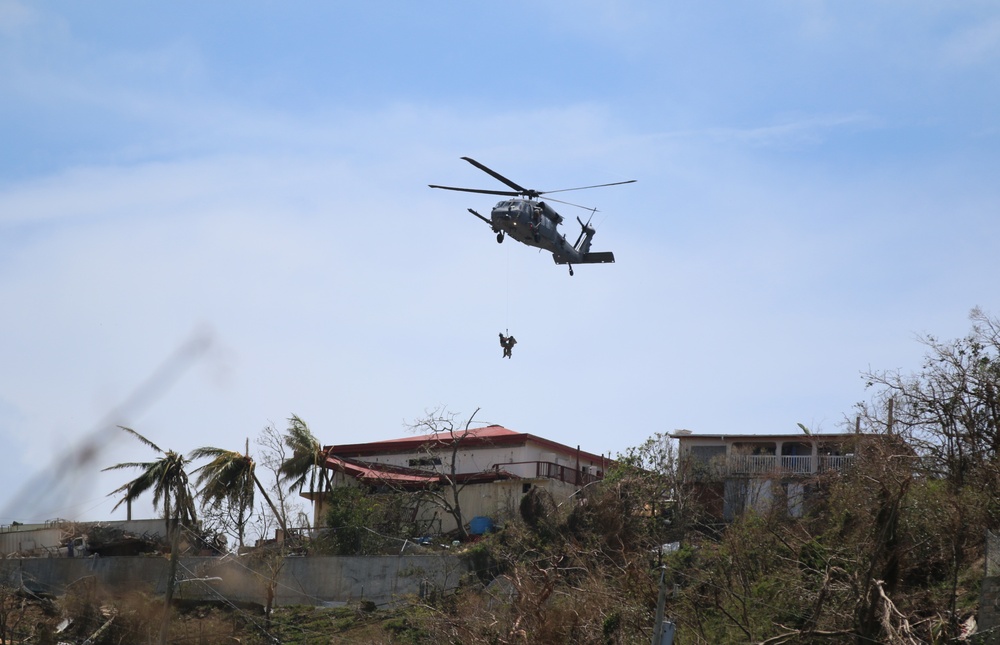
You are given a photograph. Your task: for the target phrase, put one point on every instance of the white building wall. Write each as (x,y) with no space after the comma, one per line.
(468,460)
(38,539)
(496,500)
(34,541)
(482,458)
(475,500)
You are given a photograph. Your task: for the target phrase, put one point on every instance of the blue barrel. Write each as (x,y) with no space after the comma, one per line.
(480,525)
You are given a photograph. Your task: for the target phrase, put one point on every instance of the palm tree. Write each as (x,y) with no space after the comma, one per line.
(230,477)
(166,477)
(168,480)
(307,459)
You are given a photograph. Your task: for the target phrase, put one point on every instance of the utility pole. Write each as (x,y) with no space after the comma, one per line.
(663,632)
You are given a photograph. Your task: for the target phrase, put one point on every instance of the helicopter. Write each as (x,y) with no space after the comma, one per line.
(535,223)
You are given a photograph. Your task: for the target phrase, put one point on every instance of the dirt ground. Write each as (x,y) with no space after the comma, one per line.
(137,618)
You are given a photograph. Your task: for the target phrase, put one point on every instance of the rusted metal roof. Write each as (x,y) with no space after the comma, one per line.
(379,472)
(373,473)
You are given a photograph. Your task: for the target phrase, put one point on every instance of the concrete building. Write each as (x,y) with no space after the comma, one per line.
(493,467)
(53,538)
(733,473)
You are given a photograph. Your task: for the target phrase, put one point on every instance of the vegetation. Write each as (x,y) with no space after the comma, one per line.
(449,434)
(889,550)
(305,463)
(96,616)
(230,478)
(227,481)
(362,522)
(167,478)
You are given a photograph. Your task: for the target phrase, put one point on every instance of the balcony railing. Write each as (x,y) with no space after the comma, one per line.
(774,465)
(548,470)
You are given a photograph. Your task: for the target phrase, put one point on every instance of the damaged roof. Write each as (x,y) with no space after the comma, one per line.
(372,473)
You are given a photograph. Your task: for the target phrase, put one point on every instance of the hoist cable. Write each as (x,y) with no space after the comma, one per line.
(507,312)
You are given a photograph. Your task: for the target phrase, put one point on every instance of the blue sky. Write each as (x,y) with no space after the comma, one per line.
(816,187)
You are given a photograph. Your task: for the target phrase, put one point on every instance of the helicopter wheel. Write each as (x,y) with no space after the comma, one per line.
(500,237)
(571,270)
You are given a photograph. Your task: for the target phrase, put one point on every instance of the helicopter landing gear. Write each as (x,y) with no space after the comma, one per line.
(570,269)
(500,237)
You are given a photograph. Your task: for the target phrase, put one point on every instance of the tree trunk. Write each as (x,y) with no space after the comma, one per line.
(168,596)
(277,515)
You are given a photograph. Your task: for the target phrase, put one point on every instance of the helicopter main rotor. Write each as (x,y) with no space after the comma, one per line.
(518,190)
(527,192)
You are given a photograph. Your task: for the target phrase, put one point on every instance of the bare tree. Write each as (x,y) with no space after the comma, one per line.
(446,436)
(950,409)
(274,452)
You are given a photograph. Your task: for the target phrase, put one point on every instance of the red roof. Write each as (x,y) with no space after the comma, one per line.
(369,473)
(480,433)
(493,435)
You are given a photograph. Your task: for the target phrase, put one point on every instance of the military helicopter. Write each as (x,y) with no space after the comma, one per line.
(535,223)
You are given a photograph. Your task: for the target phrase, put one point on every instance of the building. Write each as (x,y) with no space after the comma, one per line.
(733,473)
(65,538)
(491,467)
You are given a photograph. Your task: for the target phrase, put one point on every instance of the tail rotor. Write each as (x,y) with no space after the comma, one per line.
(586,233)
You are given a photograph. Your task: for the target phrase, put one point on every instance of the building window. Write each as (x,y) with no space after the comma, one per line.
(706,454)
(755,448)
(424,461)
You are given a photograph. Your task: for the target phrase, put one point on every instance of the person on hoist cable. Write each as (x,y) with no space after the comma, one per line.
(507,342)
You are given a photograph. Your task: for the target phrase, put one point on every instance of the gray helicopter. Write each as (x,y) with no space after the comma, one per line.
(535,223)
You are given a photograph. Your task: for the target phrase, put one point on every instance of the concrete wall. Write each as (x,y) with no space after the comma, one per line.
(300,580)
(989,612)
(31,540)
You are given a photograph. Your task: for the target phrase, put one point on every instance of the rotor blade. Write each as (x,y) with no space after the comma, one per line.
(582,225)
(617,183)
(480,217)
(520,189)
(586,208)
(509,193)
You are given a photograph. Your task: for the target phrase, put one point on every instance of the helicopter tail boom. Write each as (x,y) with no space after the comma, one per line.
(601,257)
